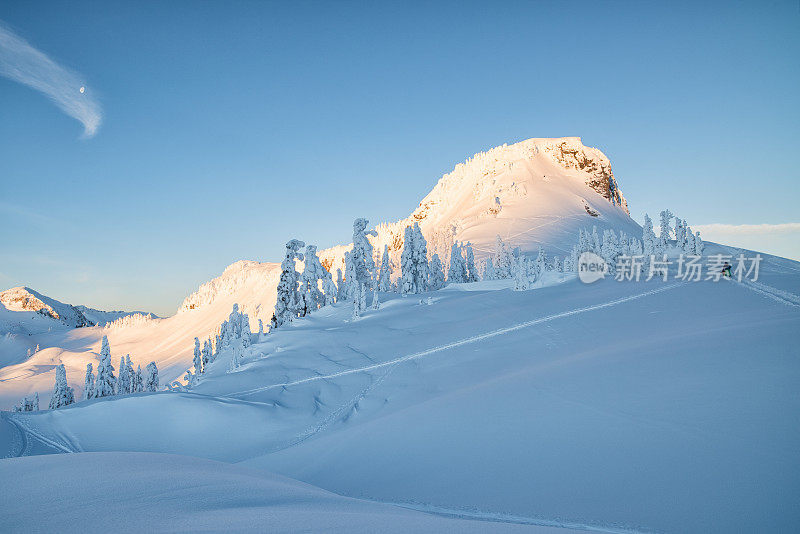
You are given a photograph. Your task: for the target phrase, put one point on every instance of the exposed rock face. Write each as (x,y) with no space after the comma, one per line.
(571,153)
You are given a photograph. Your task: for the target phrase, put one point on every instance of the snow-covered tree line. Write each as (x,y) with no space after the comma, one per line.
(612,245)
(104,384)
(28,404)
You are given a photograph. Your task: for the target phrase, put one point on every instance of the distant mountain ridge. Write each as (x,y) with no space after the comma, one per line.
(25,299)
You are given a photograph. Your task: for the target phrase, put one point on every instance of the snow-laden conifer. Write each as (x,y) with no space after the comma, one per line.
(106,381)
(138,380)
(488,270)
(386,270)
(436,274)
(197,360)
(503,259)
(287,305)
(88,384)
(469,263)
(63,395)
(664,236)
(151,382)
(457,273)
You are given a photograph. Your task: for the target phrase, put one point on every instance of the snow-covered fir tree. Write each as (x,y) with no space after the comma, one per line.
(206,354)
(414,261)
(519,270)
(151,381)
(341,287)
(666,219)
(106,381)
(88,384)
(436,275)
(386,271)
(540,265)
(503,259)
(699,246)
(28,404)
(469,263)
(610,249)
(362,260)
(197,360)
(689,242)
(648,237)
(314,275)
(287,305)
(488,270)
(350,279)
(138,380)
(63,395)
(457,273)
(123,379)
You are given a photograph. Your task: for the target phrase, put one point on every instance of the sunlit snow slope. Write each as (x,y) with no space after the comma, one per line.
(660,406)
(537,192)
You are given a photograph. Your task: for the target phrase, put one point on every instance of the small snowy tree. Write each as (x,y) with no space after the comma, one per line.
(698,244)
(436,277)
(519,270)
(63,395)
(106,381)
(666,219)
(88,385)
(407,263)
(503,259)
(362,260)
(414,261)
(123,379)
(488,270)
(689,241)
(207,354)
(313,272)
(648,237)
(197,360)
(138,380)
(386,270)
(469,259)
(151,383)
(457,273)
(288,303)
(540,265)
(341,289)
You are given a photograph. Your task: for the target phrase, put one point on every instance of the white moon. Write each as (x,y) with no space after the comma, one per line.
(83,89)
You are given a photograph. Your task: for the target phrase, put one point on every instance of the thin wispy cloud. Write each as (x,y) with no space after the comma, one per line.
(21,62)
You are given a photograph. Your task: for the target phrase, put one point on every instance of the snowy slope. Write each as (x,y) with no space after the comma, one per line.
(193,495)
(537,192)
(532,193)
(613,406)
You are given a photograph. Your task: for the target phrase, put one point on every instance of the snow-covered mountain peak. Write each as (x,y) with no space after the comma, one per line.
(241,279)
(25,299)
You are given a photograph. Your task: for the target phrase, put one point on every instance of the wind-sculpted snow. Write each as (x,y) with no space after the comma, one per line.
(613,407)
(195,495)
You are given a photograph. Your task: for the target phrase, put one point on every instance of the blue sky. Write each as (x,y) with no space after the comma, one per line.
(229,127)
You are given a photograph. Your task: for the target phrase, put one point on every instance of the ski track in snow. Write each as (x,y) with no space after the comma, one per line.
(459,343)
(27,431)
(778,295)
(510,518)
